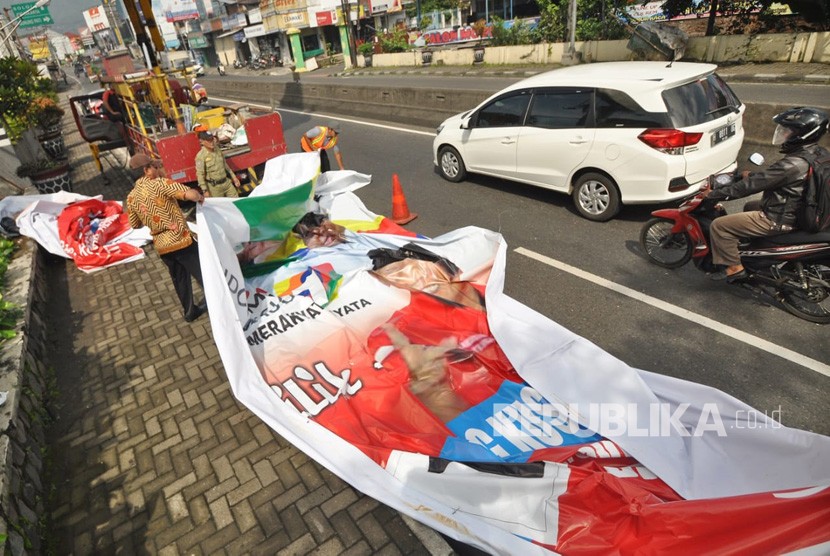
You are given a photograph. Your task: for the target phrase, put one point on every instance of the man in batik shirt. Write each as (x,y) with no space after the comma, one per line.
(153,202)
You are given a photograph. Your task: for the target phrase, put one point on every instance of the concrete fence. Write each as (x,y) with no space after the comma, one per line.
(775,47)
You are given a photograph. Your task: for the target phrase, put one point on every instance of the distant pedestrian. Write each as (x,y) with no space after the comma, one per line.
(214,175)
(153,202)
(322,139)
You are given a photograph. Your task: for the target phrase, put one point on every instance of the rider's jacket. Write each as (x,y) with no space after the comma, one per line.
(782,184)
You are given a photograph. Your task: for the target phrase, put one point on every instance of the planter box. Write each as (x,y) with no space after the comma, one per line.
(54,180)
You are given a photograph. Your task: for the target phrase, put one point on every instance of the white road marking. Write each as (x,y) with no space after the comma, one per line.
(333,117)
(721,328)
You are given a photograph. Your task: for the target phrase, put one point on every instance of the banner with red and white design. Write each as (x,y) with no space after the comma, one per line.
(397,362)
(92,232)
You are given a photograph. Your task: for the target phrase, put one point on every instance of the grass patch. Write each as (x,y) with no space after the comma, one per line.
(9,312)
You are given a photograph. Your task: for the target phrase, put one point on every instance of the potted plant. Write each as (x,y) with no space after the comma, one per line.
(47,175)
(45,114)
(367,49)
(478,50)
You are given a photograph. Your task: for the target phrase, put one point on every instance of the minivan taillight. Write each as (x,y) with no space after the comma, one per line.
(669,141)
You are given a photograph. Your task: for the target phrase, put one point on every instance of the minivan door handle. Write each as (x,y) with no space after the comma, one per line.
(508,141)
(577,141)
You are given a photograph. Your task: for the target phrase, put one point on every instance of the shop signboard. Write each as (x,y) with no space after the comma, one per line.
(257,30)
(180,10)
(325,18)
(197,41)
(39,48)
(282,6)
(293,20)
(96,19)
(254,16)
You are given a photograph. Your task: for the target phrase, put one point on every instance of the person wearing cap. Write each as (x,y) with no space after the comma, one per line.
(153,202)
(212,171)
(322,139)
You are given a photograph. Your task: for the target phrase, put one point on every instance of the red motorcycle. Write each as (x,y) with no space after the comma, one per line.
(793,268)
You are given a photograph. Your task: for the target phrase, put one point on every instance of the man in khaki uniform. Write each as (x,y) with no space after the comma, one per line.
(215,177)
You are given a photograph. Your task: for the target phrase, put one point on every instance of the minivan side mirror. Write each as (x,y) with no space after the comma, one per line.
(465,124)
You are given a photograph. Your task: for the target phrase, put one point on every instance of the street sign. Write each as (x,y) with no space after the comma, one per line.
(35,18)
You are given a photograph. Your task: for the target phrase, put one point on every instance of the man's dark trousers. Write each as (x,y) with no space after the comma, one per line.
(183,264)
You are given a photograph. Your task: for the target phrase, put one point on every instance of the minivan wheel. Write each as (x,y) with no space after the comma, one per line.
(450,164)
(596,197)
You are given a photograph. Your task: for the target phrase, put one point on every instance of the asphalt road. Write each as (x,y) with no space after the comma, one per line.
(749,348)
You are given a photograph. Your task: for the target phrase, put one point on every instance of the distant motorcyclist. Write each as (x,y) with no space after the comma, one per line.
(797,133)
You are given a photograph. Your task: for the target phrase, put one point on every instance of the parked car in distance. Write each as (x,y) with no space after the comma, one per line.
(607,133)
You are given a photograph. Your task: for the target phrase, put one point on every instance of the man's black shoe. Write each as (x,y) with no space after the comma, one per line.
(196,312)
(737,277)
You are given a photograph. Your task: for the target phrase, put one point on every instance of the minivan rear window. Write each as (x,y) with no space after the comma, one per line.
(704,100)
(617,109)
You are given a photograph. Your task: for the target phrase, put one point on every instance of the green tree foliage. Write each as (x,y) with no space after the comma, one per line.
(9,312)
(518,33)
(20,85)
(595,20)
(428,6)
(396,41)
(740,8)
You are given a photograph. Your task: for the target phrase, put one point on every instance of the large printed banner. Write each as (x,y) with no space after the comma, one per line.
(397,362)
(96,234)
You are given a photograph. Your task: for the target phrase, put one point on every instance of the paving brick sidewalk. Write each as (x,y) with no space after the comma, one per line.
(152,454)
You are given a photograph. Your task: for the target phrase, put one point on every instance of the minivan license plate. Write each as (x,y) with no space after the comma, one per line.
(723,133)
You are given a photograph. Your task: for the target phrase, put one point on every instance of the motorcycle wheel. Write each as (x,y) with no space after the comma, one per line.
(812,305)
(663,247)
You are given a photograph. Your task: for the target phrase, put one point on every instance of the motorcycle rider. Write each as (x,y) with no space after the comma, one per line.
(797,133)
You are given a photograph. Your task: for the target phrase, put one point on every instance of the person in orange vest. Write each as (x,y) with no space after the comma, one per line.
(322,139)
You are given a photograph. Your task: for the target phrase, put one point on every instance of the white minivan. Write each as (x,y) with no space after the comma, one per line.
(606,133)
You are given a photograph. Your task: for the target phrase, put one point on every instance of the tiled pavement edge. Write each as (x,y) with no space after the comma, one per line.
(152,454)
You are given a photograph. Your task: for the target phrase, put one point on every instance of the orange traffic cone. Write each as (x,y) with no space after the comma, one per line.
(400,210)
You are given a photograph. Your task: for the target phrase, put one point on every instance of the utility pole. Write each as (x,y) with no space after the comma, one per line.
(113,17)
(347,19)
(11,35)
(6,49)
(571,56)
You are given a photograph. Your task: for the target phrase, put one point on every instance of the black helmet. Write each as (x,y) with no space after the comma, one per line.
(799,126)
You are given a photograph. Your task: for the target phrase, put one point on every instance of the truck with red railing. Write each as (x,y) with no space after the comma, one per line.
(163,111)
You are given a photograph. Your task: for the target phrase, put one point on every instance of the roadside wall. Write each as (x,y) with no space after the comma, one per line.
(24,380)
(773,47)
